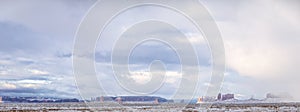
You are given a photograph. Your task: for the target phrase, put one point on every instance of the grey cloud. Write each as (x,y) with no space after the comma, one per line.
(36,92)
(16,37)
(38,36)
(261,45)
(64,55)
(25,90)
(223,10)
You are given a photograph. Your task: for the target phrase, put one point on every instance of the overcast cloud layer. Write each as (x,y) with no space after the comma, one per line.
(261,41)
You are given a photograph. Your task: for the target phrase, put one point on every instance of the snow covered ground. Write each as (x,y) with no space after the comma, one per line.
(171,107)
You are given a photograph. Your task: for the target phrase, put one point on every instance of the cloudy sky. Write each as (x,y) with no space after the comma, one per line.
(261,41)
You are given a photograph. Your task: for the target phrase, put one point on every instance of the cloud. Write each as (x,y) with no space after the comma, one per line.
(5,62)
(8,86)
(37,72)
(171,77)
(261,41)
(36,45)
(61,20)
(140,77)
(38,86)
(260,46)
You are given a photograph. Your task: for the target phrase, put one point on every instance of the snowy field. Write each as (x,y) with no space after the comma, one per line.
(173,107)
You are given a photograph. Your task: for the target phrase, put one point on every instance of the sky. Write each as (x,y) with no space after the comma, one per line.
(261,42)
